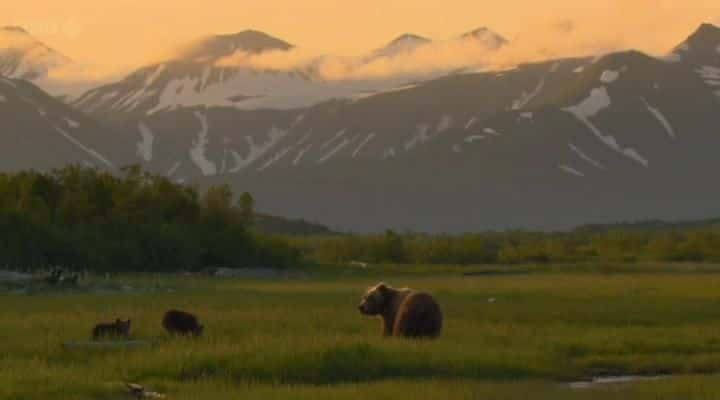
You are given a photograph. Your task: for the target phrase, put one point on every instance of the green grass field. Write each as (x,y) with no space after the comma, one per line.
(304,339)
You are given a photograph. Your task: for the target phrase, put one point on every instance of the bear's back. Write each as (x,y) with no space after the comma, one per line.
(419,316)
(176,321)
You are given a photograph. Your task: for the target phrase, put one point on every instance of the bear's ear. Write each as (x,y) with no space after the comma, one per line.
(381,287)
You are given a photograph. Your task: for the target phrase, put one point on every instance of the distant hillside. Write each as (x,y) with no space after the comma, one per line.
(273,225)
(649,225)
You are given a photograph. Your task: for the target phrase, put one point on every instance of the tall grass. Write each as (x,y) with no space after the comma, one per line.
(305,339)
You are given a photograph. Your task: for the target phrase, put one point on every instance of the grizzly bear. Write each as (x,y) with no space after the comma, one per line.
(181,323)
(118,329)
(404,312)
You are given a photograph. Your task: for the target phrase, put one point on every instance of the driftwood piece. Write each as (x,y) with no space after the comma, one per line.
(142,393)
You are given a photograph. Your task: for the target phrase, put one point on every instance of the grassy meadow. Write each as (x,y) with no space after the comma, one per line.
(521,335)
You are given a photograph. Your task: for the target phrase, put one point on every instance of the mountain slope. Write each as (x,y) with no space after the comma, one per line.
(403,44)
(207,74)
(24,57)
(546,145)
(219,46)
(195,78)
(39,132)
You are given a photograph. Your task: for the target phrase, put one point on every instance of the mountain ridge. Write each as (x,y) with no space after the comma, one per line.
(546,145)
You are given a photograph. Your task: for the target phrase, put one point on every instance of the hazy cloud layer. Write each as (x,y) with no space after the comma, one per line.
(557,39)
(116,37)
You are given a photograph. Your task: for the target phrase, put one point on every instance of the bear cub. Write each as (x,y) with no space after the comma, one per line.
(181,323)
(114,329)
(404,312)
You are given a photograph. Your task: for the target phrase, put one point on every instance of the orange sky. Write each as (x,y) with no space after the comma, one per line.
(121,33)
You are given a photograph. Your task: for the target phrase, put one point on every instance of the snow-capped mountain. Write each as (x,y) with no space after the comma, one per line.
(551,144)
(24,57)
(202,76)
(196,78)
(403,44)
(216,47)
(544,145)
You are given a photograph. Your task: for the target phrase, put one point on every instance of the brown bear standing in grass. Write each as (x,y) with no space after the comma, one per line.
(115,329)
(181,323)
(404,312)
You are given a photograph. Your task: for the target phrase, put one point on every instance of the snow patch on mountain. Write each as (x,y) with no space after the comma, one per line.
(526,98)
(301,154)
(367,95)
(470,123)
(332,139)
(198,150)
(174,169)
(255,151)
(335,150)
(363,144)
(445,123)
(72,123)
(421,136)
(474,138)
(86,149)
(3,99)
(591,106)
(152,77)
(711,75)
(571,170)
(609,76)
(145,145)
(275,158)
(660,117)
(491,131)
(575,149)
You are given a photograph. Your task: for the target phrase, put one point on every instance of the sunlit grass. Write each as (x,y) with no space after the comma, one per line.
(304,338)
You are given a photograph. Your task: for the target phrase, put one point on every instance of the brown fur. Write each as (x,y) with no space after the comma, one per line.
(404,312)
(181,323)
(118,329)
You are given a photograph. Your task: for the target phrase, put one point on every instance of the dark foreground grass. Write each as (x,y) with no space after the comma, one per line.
(516,336)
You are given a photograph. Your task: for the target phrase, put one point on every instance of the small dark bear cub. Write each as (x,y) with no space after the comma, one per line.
(404,312)
(118,328)
(181,323)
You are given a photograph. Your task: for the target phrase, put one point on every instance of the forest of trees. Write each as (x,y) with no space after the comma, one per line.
(695,244)
(86,219)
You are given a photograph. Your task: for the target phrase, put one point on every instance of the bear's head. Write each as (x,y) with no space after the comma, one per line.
(198,331)
(123,327)
(375,300)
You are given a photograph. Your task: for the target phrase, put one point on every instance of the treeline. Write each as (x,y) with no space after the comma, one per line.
(86,219)
(671,245)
